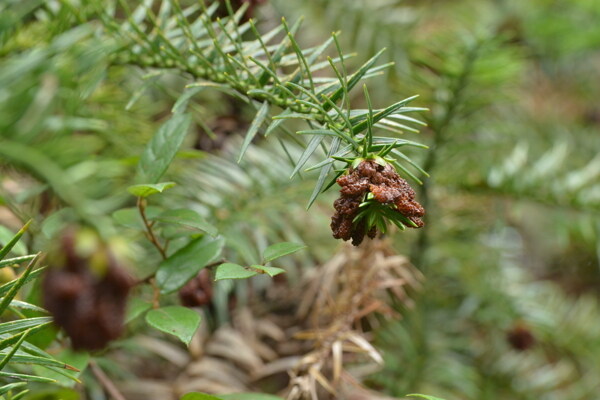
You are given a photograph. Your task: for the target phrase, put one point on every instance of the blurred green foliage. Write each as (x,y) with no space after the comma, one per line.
(512,239)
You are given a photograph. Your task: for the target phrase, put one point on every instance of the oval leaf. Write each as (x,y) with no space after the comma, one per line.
(188,218)
(162,148)
(179,268)
(130,217)
(271,271)
(233,271)
(281,249)
(175,320)
(135,308)
(147,189)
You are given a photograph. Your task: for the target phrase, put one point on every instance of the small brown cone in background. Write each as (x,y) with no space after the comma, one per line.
(520,337)
(85,289)
(197,292)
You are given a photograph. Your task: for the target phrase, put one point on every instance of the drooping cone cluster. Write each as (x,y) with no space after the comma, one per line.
(85,289)
(386,186)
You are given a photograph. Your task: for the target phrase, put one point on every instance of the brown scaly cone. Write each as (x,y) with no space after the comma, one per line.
(86,293)
(197,292)
(386,186)
(520,337)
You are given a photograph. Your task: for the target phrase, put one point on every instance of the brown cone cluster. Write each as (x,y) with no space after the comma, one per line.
(89,305)
(386,186)
(520,337)
(197,292)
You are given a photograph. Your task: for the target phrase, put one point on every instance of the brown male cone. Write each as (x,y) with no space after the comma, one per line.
(386,186)
(88,303)
(198,291)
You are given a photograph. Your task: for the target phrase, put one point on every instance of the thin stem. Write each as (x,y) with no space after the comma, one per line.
(417,318)
(240,86)
(439,129)
(105,381)
(141,204)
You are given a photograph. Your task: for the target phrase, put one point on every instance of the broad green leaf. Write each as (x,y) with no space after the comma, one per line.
(46,169)
(423,396)
(131,218)
(249,396)
(162,147)
(199,396)
(178,321)
(10,241)
(135,308)
(173,232)
(148,189)
(271,271)
(233,271)
(261,115)
(188,218)
(183,100)
(56,221)
(281,249)
(175,271)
